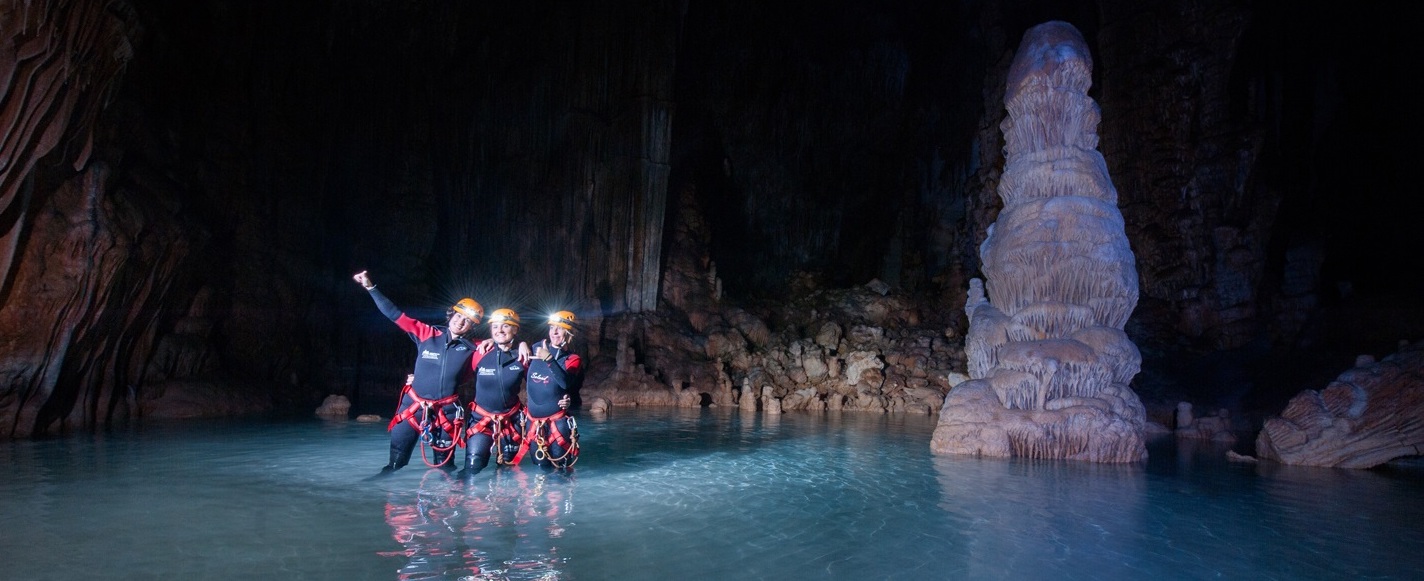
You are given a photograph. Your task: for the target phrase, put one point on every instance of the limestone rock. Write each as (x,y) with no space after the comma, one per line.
(334,406)
(598,406)
(770,405)
(860,362)
(829,335)
(1368,416)
(1216,428)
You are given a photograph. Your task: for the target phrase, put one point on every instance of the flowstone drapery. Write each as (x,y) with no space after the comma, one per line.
(1049,362)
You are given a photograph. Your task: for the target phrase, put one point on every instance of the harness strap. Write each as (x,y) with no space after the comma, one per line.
(418,404)
(537,425)
(497,426)
(420,418)
(542,430)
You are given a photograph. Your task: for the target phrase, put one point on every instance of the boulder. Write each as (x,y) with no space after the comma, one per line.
(334,406)
(1370,415)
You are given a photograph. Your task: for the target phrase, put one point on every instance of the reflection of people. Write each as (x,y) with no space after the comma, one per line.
(419,521)
(553,375)
(539,520)
(495,413)
(444,358)
(511,526)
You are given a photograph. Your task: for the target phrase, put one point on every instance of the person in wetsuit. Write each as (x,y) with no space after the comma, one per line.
(495,412)
(445,357)
(554,374)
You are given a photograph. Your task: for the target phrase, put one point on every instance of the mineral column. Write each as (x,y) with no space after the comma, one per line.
(1049,363)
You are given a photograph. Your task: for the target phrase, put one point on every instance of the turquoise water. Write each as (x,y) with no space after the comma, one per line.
(671,494)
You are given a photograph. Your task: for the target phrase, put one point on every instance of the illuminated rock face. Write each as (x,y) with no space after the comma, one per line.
(1369,415)
(1049,364)
(83,273)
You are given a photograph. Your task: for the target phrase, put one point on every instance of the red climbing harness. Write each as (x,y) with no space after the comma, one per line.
(418,415)
(501,427)
(544,431)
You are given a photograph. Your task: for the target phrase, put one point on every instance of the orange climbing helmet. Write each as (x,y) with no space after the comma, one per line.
(504,316)
(563,319)
(469,309)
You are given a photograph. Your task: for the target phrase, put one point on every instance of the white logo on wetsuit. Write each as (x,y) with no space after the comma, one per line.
(485,371)
(539,377)
(429,355)
(515,367)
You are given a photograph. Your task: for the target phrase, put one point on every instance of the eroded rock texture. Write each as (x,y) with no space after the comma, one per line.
(1048,360)
(1370,415)
(58,61)
(83,273)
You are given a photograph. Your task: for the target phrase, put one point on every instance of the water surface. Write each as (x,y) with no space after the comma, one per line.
(667,493)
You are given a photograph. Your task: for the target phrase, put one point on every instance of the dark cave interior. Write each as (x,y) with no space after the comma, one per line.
(532,154)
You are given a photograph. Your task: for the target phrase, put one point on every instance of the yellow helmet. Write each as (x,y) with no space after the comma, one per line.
(469,309)
(504,316)
(563,319)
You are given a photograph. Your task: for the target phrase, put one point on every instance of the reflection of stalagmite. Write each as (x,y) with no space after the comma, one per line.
(1048,360)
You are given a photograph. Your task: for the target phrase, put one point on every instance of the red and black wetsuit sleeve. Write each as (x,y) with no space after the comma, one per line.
(442,362)
(417,330)
(568,367)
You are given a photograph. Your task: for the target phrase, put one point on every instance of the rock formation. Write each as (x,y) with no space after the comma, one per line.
(1048,359)
(1370,415)
(334,406)
(1217,427)
(82,272)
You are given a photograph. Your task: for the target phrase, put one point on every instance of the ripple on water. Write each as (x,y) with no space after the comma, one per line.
(660,492)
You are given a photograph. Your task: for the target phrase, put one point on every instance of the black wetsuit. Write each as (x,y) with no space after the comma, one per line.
(548,383)
(498,376)
(442,362)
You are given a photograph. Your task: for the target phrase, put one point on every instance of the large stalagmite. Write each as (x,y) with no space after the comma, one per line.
(1048,360)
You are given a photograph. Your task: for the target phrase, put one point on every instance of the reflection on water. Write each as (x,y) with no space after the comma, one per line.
(1024,517)
(663,493)
(507,526)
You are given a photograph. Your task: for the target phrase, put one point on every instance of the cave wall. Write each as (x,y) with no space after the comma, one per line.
(1237,136)
(285,148)
(79,313)
(828,143)
(1199,217)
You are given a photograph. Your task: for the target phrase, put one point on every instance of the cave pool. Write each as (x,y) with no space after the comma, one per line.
(664,493)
